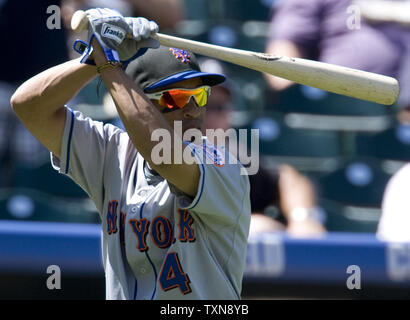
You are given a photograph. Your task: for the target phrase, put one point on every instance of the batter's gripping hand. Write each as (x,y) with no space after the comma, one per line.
(141,30)
(109,28)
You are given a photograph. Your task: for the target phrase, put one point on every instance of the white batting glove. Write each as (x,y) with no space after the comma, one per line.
(141,31)
(141,27)
(109,28)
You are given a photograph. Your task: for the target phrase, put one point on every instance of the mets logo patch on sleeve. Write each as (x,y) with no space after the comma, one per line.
(213,154)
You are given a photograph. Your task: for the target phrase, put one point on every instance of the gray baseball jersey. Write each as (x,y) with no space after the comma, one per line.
(157,243)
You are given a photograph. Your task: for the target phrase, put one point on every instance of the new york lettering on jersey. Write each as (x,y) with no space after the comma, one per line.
(162,235)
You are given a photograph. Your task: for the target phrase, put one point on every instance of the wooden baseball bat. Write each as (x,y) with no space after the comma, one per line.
(337,79)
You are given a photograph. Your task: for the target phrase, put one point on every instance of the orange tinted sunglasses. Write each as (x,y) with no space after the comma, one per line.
(180,97)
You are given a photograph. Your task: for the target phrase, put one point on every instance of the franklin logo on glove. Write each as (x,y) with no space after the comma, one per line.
(113,32)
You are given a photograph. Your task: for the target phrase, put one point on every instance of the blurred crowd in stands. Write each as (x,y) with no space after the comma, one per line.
(325,159)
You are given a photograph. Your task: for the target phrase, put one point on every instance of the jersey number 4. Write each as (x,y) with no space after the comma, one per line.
(172,275)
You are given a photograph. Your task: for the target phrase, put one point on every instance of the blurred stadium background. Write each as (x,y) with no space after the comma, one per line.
(349,148)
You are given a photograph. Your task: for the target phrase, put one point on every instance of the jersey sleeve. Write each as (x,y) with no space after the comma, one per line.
(84,149)
(223,189)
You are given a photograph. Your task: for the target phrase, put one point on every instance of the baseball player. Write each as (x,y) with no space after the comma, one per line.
(170,230)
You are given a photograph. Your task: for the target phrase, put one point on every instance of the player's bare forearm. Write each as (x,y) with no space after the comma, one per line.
(141,118)
(52,88)
(39,102)
(136,111)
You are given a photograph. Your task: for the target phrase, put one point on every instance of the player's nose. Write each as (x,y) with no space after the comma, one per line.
(191,110)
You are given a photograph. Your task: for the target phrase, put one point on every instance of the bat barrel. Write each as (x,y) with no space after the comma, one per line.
(337,79)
